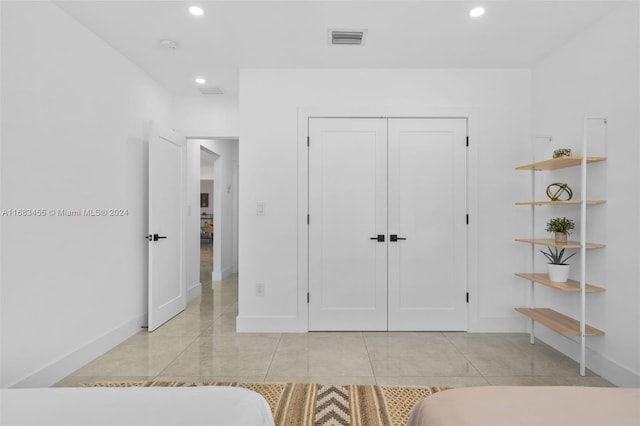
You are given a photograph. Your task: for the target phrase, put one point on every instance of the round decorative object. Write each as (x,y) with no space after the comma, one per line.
(557,190)
(562,152)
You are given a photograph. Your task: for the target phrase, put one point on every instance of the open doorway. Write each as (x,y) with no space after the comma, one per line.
(207,209)
(212,187)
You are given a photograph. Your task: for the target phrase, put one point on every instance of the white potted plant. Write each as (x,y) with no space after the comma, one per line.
(557,267)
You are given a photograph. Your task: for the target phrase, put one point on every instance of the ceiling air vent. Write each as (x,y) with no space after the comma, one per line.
(349,37)
(210,90)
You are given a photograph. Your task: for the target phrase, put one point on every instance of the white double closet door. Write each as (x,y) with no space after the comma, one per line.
(387,229)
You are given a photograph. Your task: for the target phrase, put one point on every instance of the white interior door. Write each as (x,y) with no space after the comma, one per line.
(167,293)
(348,207)
(427,206)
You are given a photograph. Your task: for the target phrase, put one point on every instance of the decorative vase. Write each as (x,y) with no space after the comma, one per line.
(561,237)
(558,273)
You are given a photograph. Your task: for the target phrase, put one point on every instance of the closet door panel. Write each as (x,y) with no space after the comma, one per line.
(427,211)
(347,207)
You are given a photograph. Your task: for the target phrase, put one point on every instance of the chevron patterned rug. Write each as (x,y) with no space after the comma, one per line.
(298,404)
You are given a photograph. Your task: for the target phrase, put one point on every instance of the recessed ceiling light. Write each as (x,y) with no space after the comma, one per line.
(476,12)
(200,80)
(196,11)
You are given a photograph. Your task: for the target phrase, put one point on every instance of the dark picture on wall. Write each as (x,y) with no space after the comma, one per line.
(204,199)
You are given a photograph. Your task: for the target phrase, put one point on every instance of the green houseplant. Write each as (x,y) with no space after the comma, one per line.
(561,227)
(558,268)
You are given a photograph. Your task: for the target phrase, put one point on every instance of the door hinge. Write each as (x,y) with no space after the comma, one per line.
(467,297)
(308,141)
(308,219)
(467,219)
(467,140)
(307,297)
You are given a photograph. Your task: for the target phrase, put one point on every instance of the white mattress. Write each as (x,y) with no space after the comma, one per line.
(188,406)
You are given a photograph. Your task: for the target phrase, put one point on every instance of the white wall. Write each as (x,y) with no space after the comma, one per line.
(270,103)
(223,212)
(206,165)
(598,73)
(73,136)
(206,172)
(206,116)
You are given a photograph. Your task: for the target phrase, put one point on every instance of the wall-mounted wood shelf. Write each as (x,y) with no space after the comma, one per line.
(552,243)
(558,322)
(558,203)
(570,285)
(559,163)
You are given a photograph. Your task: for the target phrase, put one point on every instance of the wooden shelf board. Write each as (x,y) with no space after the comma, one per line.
(559,163)
(570,285)
(558,322)
(558,203)
(552,243)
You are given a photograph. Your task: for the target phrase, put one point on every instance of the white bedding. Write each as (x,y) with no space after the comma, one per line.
(160,406)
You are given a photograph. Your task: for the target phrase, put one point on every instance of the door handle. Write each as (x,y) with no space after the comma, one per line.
(154,237)
(379,238)
(394,238)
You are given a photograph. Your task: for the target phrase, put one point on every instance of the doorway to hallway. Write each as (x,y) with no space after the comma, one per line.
(213,209)
(206,212)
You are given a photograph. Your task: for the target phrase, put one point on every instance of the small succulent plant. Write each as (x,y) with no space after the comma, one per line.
(560,224)
(556,257)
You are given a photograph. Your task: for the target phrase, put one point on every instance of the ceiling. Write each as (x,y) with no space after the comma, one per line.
(237,34)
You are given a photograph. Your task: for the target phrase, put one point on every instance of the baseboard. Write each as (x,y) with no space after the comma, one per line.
(596,362)
(226,273)
(194,292)
(269,325)
(517,324)
(64,366)
(217,275)
(292,324)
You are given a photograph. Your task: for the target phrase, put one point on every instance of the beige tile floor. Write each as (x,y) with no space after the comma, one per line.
(201,344)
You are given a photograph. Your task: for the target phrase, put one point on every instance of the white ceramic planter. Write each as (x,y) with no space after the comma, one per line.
(558,273)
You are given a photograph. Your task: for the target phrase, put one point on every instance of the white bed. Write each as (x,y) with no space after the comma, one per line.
(187,406)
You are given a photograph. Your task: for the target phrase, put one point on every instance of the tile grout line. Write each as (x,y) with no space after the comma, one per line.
(195,338)
(465,357)
(373,371)
(272,358)
(177,356)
